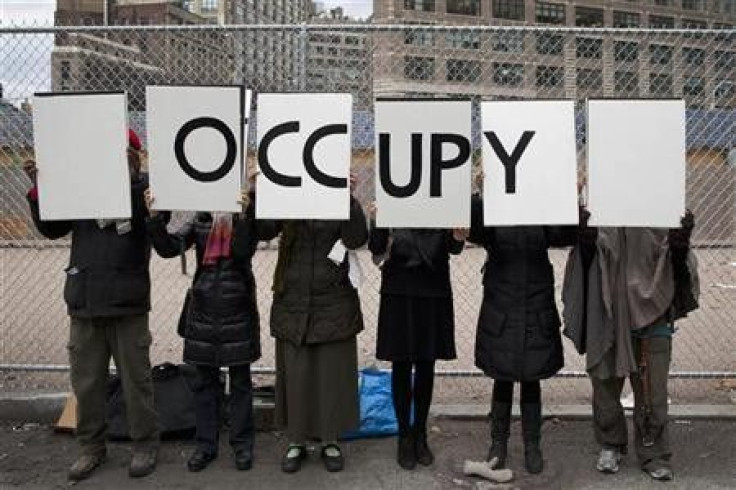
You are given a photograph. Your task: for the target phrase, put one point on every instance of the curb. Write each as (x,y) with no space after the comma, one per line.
(46,408)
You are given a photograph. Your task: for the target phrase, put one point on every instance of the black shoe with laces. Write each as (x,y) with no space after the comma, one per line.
(200,460)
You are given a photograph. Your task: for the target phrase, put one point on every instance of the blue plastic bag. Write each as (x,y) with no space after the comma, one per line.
(377,417)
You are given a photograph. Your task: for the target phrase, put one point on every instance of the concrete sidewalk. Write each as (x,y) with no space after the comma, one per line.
(33,456)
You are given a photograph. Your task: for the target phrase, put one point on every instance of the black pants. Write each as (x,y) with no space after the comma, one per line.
(405,392)
(208,401)
(503,391)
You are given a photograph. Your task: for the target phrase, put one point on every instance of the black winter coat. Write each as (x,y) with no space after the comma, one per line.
(518,336)
(220,322)
(314,301)
(108,272)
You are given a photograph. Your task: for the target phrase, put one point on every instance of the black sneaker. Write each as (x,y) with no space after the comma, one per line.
(332,458)
(292,460)
(243,459)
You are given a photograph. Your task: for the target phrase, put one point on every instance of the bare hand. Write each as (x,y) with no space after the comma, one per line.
(29,167)
(372,210)
(353,182)
(244,200)
(252,173)
(460,234)
(149,199)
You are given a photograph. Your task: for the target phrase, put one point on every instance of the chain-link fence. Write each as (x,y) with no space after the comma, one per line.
(369,61)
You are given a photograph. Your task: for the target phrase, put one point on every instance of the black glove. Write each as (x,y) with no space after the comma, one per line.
(679,238)
(586,234)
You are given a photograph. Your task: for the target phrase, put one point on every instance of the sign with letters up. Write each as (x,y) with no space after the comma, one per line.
(80,143)
(636,162)
(423,163)
(304,156)
(195,144)
(529,163)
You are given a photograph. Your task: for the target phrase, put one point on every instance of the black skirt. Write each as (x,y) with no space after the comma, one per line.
(412,328)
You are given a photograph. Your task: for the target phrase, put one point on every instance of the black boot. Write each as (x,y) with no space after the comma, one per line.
(531,427)
(406,454)
(424,454)
(500,431)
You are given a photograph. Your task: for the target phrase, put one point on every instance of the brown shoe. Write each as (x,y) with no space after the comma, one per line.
(86,464)
(143,462)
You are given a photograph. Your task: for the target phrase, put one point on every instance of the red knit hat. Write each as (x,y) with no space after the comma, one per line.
(134,141)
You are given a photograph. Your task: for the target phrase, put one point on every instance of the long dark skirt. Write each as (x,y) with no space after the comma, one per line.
(412,328)
(317,389)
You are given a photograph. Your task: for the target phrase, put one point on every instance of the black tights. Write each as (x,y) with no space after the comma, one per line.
(403,395)
(503,391)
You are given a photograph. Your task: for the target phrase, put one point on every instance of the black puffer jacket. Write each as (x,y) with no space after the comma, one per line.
(314,301)
(518,336)
(108,272)
(221,324)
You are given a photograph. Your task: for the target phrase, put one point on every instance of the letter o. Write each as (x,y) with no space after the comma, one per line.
(217,125)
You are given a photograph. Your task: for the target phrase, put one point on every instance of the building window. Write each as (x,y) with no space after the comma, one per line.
(588,17)
(626,82)
(625,51)
(660,54)
(420,5)
(625,19)
(724,90)
(418,68)
(209,6)
(586,47)
(419,38)
(463,7)
(663,3)
(550,44)
(694,24)
(692,4)
(463,70)
(463,39)
(508,9)
(693,56)
(724,60)
(660,85)
(550,76)
(589,79)
(508,42)
(693,86)
(661,22)
(550,13)
(508,74)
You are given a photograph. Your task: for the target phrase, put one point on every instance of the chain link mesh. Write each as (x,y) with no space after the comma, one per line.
(482,63)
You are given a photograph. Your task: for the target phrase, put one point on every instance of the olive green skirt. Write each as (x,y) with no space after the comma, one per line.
(317,389)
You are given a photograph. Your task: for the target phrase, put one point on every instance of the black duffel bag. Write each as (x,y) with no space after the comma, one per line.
(173,396)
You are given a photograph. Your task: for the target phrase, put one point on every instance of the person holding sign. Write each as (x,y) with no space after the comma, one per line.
(624,288)
(518,337)
(416,324)
(107,293)
(315,318)
(219,323)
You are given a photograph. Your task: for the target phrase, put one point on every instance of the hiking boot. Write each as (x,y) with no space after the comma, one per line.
(143,462)
(500,432)
(86,464)
(531,428)
(608,461)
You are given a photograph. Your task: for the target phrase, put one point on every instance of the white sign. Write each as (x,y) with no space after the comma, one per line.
(423,174)
(80,142)
(529,163)
(636,162)
(304,156)
(195,144)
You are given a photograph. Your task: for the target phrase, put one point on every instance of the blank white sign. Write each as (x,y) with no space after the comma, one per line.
(636,162)
(303,116)
(448,205)
(80,142)
(195,145)
(542,188)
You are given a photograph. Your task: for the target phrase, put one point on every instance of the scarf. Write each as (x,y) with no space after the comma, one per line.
(219,239)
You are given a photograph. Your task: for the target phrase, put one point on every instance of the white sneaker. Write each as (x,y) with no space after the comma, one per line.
(608,461)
